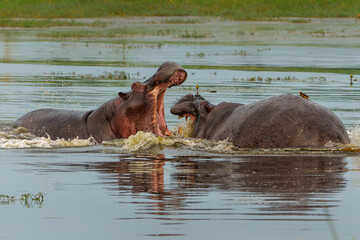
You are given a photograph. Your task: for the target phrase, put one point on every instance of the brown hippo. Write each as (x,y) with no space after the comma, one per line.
(277,122)
(141,109)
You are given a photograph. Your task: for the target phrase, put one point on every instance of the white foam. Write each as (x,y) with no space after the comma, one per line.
(145,141)
(183,129)
(42,142)
(354,135)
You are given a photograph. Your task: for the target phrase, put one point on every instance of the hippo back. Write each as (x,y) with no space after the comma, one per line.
(281,121)
(56,123)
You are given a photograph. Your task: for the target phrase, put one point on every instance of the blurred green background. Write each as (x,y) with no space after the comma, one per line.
(231,9)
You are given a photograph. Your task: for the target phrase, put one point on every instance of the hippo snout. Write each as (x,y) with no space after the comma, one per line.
(175,110)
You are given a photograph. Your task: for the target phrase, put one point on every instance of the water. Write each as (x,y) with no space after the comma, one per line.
(146,187)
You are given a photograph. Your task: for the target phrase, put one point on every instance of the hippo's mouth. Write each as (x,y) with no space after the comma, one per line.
(176,79)
(186,116)
(158,92)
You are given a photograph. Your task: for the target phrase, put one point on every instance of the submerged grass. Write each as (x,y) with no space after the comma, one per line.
(76,34)
(121,33)
(193,34)
(180,21)
(240,9)
(26,199)
(115,75)
(46,23)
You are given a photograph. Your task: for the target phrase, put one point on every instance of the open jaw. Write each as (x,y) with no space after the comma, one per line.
(188,107)
(157,94)
(188,115)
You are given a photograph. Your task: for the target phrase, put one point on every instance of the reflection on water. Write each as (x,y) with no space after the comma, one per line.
(184,191)
(277,186)
(184,194)
(251,188)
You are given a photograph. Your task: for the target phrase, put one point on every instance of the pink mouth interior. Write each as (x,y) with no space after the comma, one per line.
(161,115)
(188,115)
(176,79)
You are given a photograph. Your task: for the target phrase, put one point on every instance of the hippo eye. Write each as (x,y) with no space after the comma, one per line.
(135,85)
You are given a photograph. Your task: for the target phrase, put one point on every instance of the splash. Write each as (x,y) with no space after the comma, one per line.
(183,129)
(42,142)
(141,141)
(354,135)
(21,138)
(150,143)
(145,141)
(354,146)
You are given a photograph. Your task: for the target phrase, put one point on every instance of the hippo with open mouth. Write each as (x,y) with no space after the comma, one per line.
(141,109)
(277,122)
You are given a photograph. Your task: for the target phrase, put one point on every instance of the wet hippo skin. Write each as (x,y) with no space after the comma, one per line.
(277,122)
(141,109)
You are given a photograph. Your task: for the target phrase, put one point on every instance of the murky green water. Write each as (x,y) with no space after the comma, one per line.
(153,188)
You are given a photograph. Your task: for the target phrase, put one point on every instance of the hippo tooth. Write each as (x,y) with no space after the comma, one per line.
(186,118)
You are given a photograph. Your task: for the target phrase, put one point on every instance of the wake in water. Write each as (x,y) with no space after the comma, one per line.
(148,142)
(145,141)
(21,138)
(41,142)
(142,142)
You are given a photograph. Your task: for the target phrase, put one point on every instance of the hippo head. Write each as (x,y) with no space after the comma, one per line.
(142,109)
(193,106)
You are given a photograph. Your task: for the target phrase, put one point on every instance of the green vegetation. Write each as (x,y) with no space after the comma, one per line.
(301,20)
(115,75)
(234,9)
(193,34)
(83,33)
(26,199)
(40,23)
(280,79)
(180,21)
(119,32)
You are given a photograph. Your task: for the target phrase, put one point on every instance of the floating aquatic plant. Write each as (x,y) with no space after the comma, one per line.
(26,199)
(193,34)
(115,75)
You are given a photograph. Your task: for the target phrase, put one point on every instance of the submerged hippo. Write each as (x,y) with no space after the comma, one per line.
(277,122)
(141,109)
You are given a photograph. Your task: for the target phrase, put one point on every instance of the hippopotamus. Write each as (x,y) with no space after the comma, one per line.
(278,122)
(141,109)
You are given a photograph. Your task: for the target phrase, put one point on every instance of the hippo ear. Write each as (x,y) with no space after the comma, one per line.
(124,96)
(209,107)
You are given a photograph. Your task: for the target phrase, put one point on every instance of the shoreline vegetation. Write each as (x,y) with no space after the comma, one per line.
(246,10)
